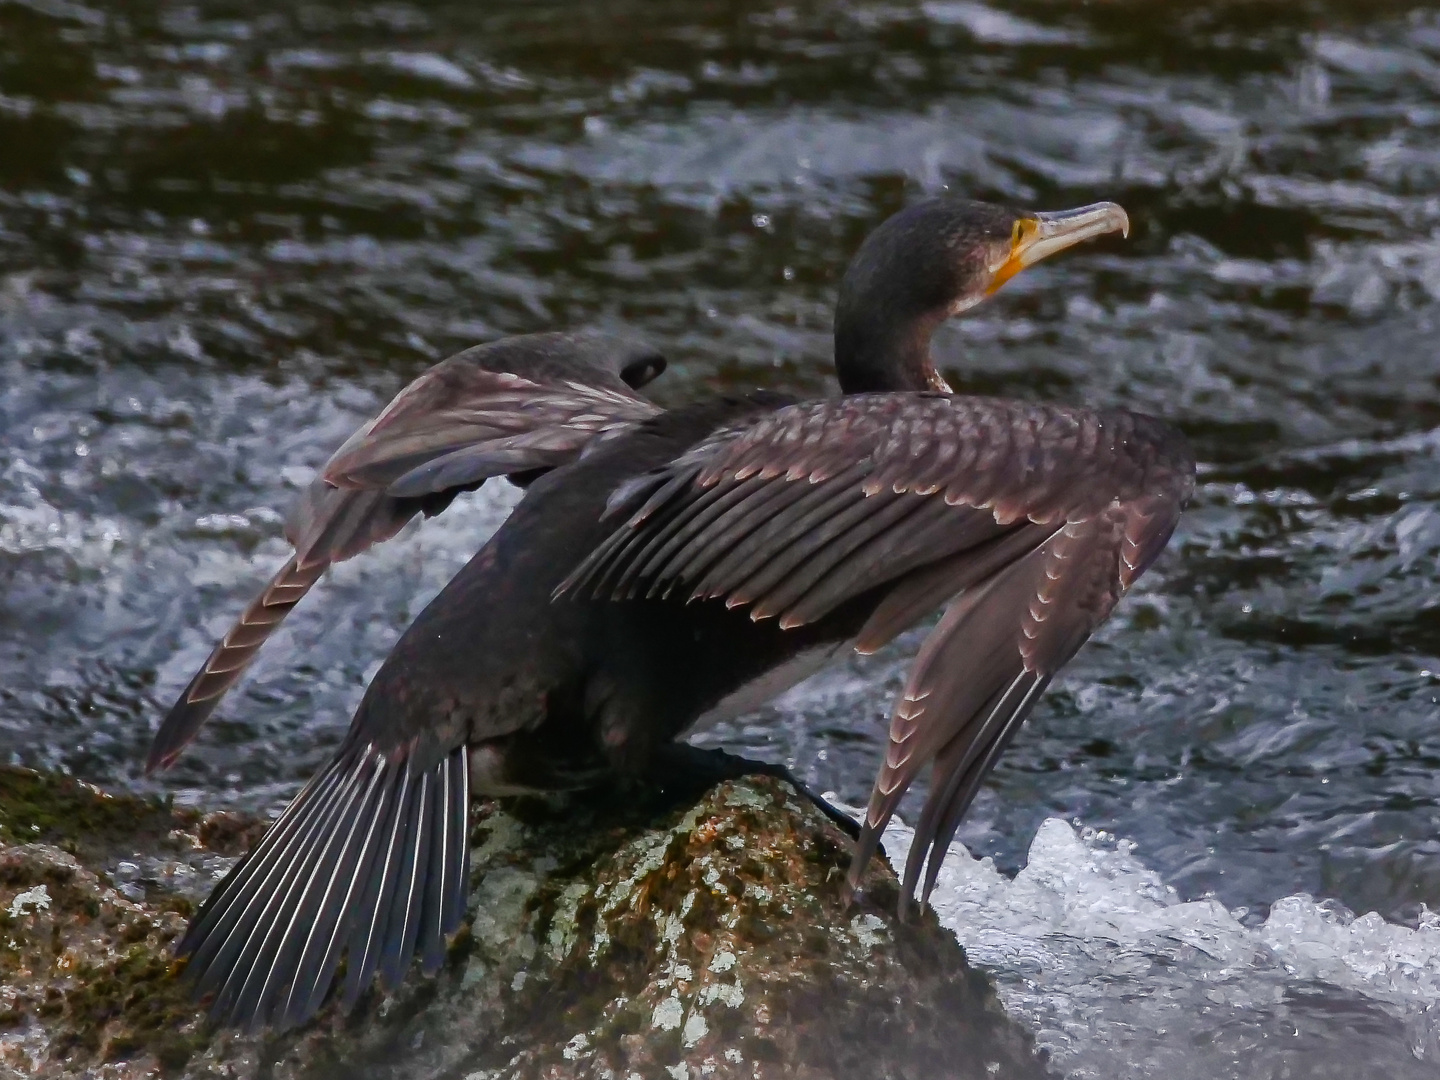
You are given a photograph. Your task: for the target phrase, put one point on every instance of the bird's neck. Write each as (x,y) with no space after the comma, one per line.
(883,356)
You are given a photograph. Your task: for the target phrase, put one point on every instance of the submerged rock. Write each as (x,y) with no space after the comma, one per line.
(603,940)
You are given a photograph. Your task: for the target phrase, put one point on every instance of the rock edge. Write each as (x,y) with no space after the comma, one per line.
(619,940)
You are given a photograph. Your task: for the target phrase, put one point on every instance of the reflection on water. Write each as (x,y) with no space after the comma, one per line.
(228,231)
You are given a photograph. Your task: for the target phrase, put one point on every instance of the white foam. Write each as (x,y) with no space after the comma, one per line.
(1120,978)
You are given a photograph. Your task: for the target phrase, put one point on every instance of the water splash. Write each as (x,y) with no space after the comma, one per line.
(1121,979)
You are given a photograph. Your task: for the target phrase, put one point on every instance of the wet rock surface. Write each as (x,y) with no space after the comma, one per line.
(618,940)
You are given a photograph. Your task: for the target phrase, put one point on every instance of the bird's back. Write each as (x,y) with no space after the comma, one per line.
(495,657)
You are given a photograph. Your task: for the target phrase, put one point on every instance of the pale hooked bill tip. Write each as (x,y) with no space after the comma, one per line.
(1061,229)
(1083,222)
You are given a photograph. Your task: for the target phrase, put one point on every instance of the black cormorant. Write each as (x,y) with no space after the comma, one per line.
(676,566)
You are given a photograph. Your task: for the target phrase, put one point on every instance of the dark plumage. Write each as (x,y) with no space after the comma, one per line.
(689,565)
(515,407)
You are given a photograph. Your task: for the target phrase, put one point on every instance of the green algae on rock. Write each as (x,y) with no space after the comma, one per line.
(85,974)
(616,939)
(37,808)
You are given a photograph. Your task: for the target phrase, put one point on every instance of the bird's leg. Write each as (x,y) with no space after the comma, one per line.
(695,770)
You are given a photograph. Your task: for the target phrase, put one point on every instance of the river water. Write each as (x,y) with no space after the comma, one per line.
(229,231)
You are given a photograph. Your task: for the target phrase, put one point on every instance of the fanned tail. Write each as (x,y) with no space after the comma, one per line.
(371,859)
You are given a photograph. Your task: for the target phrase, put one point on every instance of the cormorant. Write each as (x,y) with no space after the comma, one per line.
(676,566)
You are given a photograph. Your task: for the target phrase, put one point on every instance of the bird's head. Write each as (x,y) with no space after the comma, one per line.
(931,261)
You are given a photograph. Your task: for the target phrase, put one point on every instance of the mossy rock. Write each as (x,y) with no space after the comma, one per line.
(85,975)
(618,940)
(79,818)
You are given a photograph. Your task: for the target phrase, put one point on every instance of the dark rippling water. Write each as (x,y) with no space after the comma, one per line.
(229,231)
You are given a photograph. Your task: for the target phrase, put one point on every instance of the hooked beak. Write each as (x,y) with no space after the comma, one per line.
(1042,235)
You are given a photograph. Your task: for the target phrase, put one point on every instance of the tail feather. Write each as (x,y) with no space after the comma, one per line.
(437,887)
(320,950)
(371,859)
(368,932)
(457,852)
(266,948)
(256,877)
(403,923)
(432,947)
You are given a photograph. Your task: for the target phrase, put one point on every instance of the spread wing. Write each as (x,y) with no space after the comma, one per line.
(511,408)
(1030,521)
(459,423)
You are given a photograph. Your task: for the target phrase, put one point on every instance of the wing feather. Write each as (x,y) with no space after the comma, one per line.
(932,531)
(711,554)
(1030,521)
(510,407)
(913,597)
(653,553)
(773,525)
